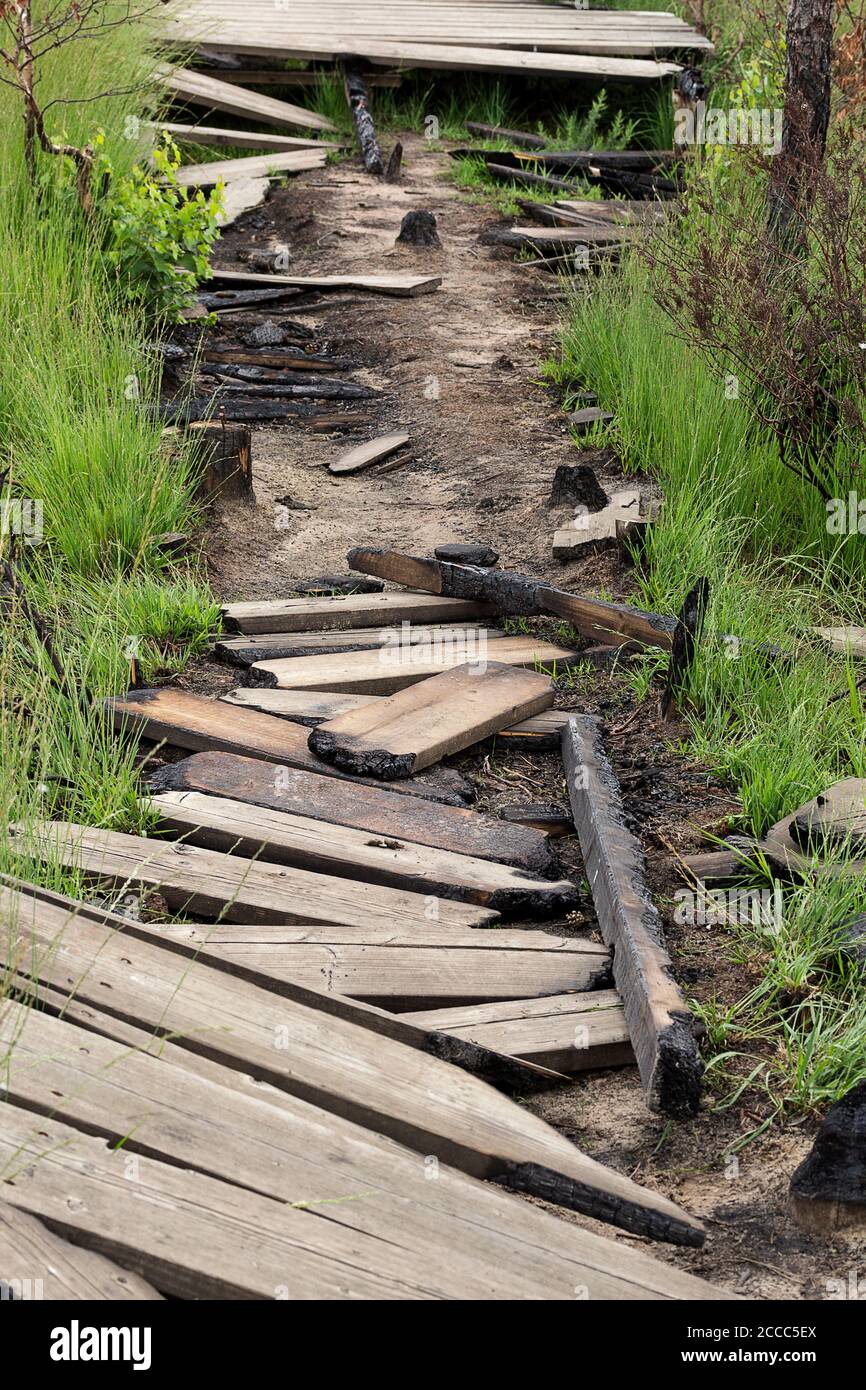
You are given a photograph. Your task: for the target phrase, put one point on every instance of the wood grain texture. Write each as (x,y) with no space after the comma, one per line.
(569,1032)
(284,1165)
(220,823)
(374,809)
(413,969)
(364,455)
(659,1022)
(259,166)
(233,888)
(315,1054)
(37,1264)
(199,89)
(399,664)
(349,612)
(425,722)
(220,137)
(275,646)
(312,707)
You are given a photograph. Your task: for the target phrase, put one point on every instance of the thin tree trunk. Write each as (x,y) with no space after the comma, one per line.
(809,40)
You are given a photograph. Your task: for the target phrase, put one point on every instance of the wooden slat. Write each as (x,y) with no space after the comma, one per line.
(259,166)
(517,593)
(415,969)
(239,197)
(396,286)
(35,1264)
(374,809)
(312,707)
(349,612)
(425,722)
(504,1073)
(233,888)
(364,455)
(660,1024)
(316,1055)
(273,646)
(199,89)
(280,1165)
(190,721)
(220,823)
(569,1032)
(392,668)
(220,137)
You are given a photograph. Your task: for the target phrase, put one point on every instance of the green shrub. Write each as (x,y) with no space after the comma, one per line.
(160,234)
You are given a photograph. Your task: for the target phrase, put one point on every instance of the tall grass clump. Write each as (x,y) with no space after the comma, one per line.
(81,439)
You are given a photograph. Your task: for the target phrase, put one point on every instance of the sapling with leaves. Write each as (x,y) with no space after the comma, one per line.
(28,35)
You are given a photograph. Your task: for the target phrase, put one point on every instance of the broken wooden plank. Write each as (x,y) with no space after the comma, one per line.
(660,1024)
(517,594)
(846,641)
(314,1054)
(517,137)
(199,89)
(297,361)
(413,970)
(568,1032)
(466,553)
(36,1264)
(230,887)
(241,139)
(553,820)
(423,723)
(596,530)
(398,664)
(190,721)
(273,646)
(362,610)
(311,707)
(364,807)
(505,1073)
(276,1161)
(834,820)
(299,841)
(256,166)
(396,286)
(364,455)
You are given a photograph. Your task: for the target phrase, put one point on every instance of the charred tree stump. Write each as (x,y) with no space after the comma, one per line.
(356,96)
(828,1190)
(225,453)
(687,634)
(576,485)
(808,46)
(418,228)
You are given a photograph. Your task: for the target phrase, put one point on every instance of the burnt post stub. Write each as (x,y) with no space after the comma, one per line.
(418,228)
(828,1189)
(356,96)
(686,636)
(576,485)
(659,1023)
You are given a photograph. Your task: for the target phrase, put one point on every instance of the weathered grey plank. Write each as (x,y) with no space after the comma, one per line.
(569,1032)
(233,888)
(399,972)
(450,1238)
(315,1054)
(36,1264)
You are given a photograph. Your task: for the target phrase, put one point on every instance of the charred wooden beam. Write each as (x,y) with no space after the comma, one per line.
(498,132)
(659,1022)
(356,96)
(225,453)
(609,623)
